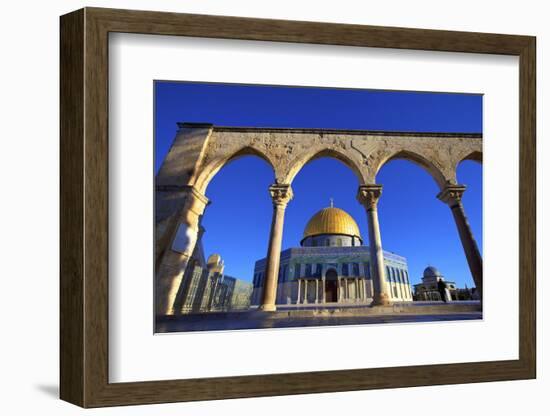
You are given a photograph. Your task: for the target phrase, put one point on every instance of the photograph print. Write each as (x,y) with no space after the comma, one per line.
(291,206)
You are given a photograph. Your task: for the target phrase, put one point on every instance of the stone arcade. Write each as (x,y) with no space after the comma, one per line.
(199,151)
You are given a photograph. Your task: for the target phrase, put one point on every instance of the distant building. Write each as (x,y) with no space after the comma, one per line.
(205,288)
(467,293)
(331,266)
(428,289)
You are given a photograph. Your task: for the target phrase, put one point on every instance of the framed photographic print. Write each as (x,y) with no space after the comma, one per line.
(256,207)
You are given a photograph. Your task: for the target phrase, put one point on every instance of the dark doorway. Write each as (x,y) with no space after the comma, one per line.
(331,286)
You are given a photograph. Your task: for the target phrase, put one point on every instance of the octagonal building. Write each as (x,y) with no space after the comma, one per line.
(332,266)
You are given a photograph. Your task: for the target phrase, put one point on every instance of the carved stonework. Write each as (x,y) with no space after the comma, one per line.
(368,195)
(452,194)
(288,150)
(280,194)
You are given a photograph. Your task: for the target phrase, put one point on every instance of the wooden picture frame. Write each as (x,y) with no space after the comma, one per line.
(84,207)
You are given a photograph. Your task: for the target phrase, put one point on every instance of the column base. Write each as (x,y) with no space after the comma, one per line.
(268,308)
(381,300)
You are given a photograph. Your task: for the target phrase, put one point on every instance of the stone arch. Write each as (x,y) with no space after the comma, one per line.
(428,165)
(331,273)
(476,156)
(297,165)
(211,169)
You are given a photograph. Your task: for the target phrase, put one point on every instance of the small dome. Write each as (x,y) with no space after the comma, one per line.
(214,260)
(333,221)
(431,271)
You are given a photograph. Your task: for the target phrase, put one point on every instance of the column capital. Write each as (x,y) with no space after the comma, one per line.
(280,194)
(368,195)
(452,194)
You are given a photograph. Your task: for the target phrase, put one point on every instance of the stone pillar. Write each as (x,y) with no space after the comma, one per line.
(176,256)
(368,196)
(339,290)
(324,290)
(281,195)
(185,285)
(299,287)
(452,196)
(346,289)
(305,290)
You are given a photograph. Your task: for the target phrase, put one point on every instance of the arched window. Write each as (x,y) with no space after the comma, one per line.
(355,269)
(345,269)
(339,242)
(367,270)
(388,276)
(308,270)
(318,270)
(297,270)
(327,242)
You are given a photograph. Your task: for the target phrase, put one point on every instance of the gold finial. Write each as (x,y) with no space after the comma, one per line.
(331,202)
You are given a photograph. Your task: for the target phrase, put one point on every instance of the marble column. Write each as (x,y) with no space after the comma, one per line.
(452,196)
(316,290)
(305,290)
(174,261)
(299,287)
(368,196)
(281,195)
(324,289)
(346,289)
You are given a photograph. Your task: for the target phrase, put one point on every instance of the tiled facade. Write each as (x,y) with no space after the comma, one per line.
(315,266)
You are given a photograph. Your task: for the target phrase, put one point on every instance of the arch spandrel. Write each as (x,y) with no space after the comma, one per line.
(435,169)
(474,153)
(344,156)
(439,156)
(214,162)
(288,150)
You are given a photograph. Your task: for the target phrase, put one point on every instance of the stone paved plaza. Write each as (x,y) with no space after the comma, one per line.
(309,317)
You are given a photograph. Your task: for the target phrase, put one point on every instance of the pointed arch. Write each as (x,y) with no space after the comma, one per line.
(304,159)
(211,169)
(476,156)
(418,159)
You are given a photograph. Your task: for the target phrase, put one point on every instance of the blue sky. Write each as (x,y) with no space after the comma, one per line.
(413,222)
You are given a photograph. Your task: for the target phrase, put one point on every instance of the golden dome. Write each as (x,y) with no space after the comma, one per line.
(331,221)
(214,259)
